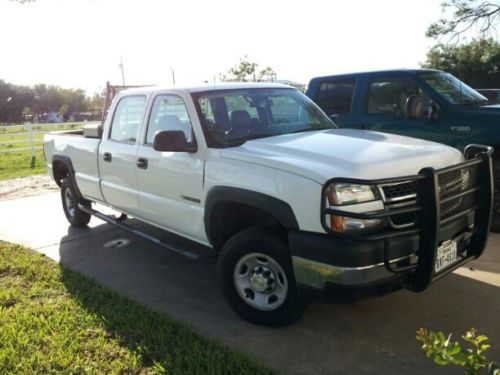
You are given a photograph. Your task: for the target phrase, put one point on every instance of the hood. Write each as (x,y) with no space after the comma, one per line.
(321,155)
(484,112)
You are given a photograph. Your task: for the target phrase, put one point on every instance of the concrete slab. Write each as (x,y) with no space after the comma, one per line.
(367,337)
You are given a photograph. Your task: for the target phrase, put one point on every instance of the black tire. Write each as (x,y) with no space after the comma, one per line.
(245,244)
(75,216)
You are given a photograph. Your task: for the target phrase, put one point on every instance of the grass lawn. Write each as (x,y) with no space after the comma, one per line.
(18,164)
(53,319)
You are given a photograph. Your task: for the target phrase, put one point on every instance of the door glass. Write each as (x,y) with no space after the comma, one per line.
(397,95)
(335,97)
(169,113)
(127,118)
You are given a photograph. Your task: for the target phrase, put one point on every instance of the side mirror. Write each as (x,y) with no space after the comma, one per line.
(433,111)
(172,141)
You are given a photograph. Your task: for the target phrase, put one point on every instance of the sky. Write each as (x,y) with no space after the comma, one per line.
(78,43)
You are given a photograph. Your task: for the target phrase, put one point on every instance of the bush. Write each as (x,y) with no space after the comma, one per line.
(445,352)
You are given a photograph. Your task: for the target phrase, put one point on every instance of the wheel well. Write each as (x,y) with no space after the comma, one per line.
(229,218)
(59,170)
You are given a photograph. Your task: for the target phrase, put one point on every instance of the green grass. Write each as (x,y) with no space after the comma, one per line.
(54,320)
(18,164)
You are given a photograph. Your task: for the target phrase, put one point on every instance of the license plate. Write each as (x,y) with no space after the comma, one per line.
(446,256)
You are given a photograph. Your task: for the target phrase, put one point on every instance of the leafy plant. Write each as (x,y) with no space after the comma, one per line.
(444,352)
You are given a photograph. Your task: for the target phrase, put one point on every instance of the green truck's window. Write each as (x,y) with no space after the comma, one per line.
(390,95)
(127,119)
(335,97)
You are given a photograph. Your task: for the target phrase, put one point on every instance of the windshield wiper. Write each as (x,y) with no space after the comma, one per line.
(310,129)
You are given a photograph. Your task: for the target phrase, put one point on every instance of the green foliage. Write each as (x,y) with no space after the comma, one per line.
(54,320)
(18,101)
(444,352)
(464,15)
(477,63)
(247,71)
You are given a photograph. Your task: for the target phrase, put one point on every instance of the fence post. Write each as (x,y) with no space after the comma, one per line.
(32,144)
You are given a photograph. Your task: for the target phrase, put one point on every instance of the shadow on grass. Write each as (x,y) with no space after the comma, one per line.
(164,344)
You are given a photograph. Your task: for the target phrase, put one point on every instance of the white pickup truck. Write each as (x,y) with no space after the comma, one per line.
(296,207)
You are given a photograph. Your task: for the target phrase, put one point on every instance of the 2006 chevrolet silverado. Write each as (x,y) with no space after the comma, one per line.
(296,207)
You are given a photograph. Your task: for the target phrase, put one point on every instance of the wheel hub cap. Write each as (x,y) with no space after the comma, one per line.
(262,279)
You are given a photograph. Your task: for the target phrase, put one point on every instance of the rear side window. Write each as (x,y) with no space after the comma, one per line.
(169,113)
(391,95)
(335,97)
(127,119)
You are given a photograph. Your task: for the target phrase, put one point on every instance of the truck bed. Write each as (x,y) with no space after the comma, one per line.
(83,152)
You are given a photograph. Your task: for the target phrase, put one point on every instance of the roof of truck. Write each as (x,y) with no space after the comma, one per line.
(208,87)
(377,72)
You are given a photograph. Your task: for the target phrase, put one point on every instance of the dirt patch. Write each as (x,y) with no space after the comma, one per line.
(26,187)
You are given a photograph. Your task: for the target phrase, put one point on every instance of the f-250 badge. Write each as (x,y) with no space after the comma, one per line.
(460,128)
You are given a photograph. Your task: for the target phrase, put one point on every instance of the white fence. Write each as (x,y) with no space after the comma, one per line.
(25,134)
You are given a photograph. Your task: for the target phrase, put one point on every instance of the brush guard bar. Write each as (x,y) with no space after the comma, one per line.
(436,206)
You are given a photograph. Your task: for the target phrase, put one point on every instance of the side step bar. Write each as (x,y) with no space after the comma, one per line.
(118,223)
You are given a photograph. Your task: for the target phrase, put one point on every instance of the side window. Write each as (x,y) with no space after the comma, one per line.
(127,119)
(335,97)
(169,113)
(396,95)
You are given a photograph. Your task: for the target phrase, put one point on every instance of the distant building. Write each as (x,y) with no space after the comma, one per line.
(54,118)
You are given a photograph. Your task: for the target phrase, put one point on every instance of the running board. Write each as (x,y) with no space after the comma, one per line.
(118,223)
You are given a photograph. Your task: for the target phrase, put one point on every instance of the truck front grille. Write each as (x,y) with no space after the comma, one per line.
(399,191)
(450,183)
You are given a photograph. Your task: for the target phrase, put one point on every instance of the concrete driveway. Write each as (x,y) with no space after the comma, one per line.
(371,336)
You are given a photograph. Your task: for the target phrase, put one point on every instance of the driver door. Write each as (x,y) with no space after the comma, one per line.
(398,105)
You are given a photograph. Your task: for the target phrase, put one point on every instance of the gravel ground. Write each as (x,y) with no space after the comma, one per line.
(26,187)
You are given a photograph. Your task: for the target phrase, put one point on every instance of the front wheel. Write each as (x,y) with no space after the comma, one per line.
(75,216)
(256,278)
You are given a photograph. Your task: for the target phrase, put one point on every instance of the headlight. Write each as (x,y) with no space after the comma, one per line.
(341,194)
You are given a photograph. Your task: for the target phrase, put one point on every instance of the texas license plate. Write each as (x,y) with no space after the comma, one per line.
(446,256)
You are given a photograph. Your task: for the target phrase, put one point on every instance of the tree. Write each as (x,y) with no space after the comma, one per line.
(249,71)
(481,16)
(477,63)
(13,100)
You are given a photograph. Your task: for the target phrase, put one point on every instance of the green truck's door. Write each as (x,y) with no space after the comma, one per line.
(398,105)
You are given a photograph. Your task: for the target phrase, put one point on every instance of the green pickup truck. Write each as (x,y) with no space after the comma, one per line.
(421,103)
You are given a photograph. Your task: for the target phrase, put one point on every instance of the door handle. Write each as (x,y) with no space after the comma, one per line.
(107,157)
(142,163)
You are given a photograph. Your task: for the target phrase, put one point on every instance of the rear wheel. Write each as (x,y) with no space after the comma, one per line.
(75,216)
(256,278)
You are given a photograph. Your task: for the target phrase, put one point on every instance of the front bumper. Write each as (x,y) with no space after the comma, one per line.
(351,266)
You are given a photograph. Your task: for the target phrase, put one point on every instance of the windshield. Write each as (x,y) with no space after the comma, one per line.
(231,117)
(452,89)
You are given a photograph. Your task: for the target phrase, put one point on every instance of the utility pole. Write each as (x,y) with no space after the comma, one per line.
(123,71)
(173,75)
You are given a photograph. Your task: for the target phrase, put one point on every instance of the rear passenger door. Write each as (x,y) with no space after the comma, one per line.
(170,183)
(398,105)
(335,97)
(117,154)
